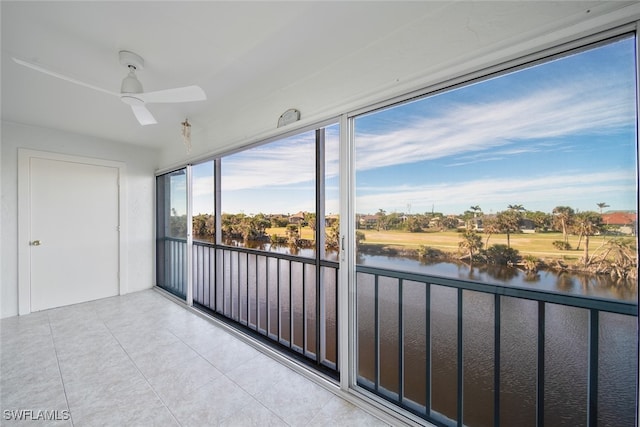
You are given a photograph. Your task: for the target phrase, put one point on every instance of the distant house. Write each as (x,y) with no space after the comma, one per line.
(527,226)
(476,224)
(329,220)
(368,221)
(621,222)
(435,222)
(297,218)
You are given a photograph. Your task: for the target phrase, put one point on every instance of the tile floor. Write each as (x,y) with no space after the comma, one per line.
(141,359)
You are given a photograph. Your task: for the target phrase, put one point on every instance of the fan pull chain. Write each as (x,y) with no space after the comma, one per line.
(186,134)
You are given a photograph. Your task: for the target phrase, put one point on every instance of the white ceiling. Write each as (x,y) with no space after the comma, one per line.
(254,60)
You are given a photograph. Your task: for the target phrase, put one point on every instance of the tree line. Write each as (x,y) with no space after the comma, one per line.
(616,257)
(254,228)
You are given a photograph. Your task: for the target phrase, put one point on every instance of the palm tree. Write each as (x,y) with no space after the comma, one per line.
(490,226)
(310,219)
(332,236)
(541,220)
(475,209)
(563,216)
(293,234)
(381,216)
(471,242)
(588,224)
(509,221)
(602,205)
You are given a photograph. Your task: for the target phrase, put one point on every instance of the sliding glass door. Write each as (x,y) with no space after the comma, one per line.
(171,232)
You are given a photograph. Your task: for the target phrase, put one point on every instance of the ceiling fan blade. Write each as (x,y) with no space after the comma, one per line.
(61,76)
(179,94)
(143,115)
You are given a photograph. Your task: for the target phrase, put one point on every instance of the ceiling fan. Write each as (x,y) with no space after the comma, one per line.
(131,91)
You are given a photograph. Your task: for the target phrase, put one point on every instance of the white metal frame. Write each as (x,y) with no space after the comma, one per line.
(189,260)
(24,215)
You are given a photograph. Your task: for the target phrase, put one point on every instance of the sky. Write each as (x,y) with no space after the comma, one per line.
(559,133)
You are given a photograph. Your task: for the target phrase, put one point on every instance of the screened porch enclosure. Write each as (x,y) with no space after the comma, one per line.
(441,256)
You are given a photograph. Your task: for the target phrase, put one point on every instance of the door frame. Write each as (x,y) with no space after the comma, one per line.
(24,218)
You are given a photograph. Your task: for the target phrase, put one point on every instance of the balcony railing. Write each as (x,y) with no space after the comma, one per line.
(451,351)
(286,299)
(465,353)
(171,273)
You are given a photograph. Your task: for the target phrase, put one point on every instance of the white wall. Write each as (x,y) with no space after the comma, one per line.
(141,164)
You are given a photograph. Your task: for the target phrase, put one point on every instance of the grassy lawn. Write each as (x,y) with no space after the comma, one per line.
(305,232)
(538,244)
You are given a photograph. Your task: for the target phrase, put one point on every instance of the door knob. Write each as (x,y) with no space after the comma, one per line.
(36,243)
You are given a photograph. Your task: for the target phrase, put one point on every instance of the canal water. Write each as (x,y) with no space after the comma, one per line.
(565,355)
(566,345)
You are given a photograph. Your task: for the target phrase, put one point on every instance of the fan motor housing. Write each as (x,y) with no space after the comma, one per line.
(130,59)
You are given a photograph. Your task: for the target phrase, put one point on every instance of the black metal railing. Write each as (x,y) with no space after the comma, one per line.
(466,353)
(171,273)
(289,300)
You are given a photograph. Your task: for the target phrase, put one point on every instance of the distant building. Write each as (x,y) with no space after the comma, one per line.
(297,218)
(621,222)
(527,226)
(368,221)
(331,219)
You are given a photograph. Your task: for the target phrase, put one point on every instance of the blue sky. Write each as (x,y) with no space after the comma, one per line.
(559,133)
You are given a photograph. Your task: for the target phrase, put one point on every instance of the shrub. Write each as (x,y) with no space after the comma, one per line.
(501,255)
(278,240)
(530,263)
(560,245)
(427,252)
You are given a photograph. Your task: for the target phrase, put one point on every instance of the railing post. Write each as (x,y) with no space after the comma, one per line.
(540,366)
(592,386)
(304,309)
(376,334)
(291,310)
(496,360)
(400,343)
(460,362)
(427,322)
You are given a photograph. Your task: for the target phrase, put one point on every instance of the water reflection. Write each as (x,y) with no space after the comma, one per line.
(601,286)
(435,314)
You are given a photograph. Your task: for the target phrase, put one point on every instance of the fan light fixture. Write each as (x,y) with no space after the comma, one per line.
(288,117)
(186,134)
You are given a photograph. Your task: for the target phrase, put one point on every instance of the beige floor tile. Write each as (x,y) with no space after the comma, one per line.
(141,360)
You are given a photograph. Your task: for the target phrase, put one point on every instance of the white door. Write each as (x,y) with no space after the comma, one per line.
(74,236)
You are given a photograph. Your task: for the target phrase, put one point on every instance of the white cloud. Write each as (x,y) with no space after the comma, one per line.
(512,124)
(496,194)
(284,163)
(203,186)
(465,133)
